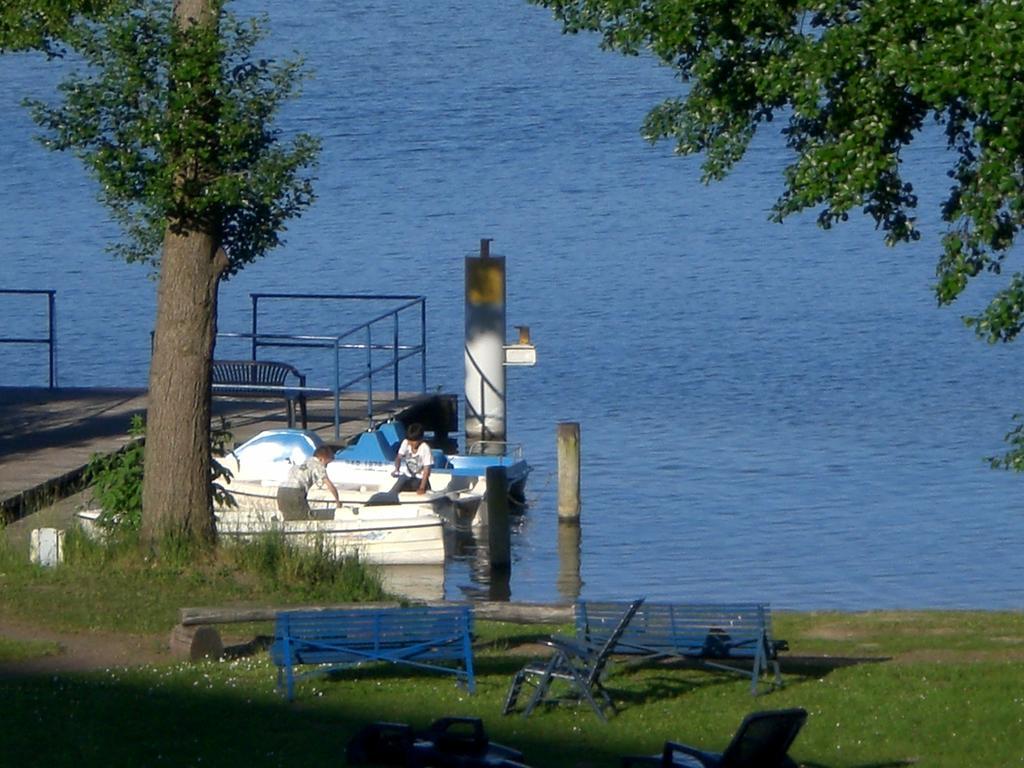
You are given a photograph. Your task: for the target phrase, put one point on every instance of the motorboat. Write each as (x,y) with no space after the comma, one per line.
(383,535)
(261,464)
(384,531)
(363,474)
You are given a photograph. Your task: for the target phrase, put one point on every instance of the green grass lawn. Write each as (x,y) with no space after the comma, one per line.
(866,714)
(883,689)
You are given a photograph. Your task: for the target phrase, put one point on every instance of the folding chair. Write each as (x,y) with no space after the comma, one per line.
(762,741)
(581,666)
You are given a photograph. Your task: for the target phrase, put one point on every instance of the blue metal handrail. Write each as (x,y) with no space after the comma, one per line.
(357,338)
(51,331)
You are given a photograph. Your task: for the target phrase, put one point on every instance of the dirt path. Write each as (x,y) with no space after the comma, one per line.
(80,651)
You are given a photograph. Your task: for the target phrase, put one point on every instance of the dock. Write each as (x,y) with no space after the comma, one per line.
(47,436)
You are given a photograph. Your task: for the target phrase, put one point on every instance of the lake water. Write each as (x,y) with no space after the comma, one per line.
(768,411)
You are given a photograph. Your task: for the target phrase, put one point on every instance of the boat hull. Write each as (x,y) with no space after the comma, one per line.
(398,538)
(386,534)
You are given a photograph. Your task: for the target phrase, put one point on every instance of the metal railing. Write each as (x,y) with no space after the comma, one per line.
(50,340)
(359,339)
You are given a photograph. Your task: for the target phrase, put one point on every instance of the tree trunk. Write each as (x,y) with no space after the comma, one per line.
(176,496)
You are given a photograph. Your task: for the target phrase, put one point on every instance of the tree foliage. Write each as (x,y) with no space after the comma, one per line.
(39,25)
(854,82)
(159,154)
(173,115)
(116,478)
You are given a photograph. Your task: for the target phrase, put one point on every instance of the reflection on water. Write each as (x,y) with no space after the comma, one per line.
(469,575)
(469,568)
(569,582)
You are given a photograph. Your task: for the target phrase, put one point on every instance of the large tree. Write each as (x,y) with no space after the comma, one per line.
(173,118)
(853,82)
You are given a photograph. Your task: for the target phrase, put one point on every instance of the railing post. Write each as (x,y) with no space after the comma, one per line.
(51,322)
(51,330)
(337,388)
(369,376)
(394,354)
(423,345)
(255,311)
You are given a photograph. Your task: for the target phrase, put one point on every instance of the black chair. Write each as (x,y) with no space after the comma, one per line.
(451,742)
(581,666)
(762,741)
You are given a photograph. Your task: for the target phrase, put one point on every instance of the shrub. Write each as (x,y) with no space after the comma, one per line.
(117,481)
(117,478)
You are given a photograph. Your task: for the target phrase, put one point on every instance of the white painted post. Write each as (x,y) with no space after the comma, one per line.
(485,346)
(46,546)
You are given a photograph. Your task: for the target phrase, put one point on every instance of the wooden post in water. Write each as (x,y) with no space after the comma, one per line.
(568,471)
(499,537)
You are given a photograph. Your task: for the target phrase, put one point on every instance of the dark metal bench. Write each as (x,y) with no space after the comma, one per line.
(713,635)
(417,636)
(263,379)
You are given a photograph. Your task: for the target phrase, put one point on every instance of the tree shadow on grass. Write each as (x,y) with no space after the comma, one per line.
(660,681)
(180,718)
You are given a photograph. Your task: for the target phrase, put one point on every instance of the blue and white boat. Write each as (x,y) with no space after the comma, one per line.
(362,473)
(369,461)
(383,534)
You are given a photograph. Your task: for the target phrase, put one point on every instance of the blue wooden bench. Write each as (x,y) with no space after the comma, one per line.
(331,639)
(718,636)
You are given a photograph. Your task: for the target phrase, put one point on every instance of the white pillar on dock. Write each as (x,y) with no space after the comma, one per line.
(485,346)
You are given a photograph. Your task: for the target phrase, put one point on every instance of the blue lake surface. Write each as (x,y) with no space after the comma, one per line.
(768,411)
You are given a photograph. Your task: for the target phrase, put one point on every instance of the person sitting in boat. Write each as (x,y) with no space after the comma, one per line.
(413,462)
(291,494)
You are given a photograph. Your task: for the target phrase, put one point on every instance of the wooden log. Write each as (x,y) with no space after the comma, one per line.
(524,613)
(517,613)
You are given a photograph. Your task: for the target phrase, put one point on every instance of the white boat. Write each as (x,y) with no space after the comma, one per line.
(261,464)
(391,535)
(394,535)
(362,473)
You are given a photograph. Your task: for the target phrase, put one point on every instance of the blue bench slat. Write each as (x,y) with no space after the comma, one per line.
(410,636)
